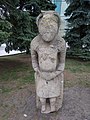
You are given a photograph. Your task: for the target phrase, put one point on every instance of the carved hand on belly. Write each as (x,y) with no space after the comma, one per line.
(49,75)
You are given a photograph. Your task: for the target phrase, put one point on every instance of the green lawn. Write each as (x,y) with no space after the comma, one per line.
(79,73)
(16,72)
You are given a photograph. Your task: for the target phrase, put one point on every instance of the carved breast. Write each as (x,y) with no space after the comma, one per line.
(47,59)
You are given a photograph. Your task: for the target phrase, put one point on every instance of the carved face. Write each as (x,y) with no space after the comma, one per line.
(48,29)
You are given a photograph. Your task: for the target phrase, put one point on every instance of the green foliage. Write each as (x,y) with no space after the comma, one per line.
(22,17)
(5,32)
(78,32)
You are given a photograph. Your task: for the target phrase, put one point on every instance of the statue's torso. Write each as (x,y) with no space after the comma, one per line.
(47,54)
(47,57)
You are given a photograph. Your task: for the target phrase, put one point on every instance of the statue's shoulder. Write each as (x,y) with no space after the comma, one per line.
(61,42)
(35,42)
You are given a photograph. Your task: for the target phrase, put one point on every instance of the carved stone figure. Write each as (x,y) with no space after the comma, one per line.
(48,60)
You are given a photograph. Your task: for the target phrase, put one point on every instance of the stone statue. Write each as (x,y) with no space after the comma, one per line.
(48,60)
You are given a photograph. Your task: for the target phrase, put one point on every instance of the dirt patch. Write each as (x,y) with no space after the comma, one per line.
(20,105)
(69,78)
(68,75)
(14,62)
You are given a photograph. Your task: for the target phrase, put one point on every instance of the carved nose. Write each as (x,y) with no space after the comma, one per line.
(46,82)
(48,27)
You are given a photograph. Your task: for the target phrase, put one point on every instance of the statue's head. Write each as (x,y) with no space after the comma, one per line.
(48,23)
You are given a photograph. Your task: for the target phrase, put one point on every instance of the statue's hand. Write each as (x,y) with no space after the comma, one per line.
(46,75)
(50,75)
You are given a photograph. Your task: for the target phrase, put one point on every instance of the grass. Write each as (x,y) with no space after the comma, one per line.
(76,66)
(16,71)
(79,71)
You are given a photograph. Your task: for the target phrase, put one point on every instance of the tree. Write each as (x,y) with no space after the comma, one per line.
(78,31)
(5,26)
(4,31)
(21,14)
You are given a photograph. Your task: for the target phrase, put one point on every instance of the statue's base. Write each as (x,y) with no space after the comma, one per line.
(48,109)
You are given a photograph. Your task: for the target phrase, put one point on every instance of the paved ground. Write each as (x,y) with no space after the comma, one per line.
(20,105)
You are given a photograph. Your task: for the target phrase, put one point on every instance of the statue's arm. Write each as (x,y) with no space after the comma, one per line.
(62,55)
(34,57)
(61,65)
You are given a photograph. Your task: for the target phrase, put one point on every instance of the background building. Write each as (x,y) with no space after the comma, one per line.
(61,6)
(58,4)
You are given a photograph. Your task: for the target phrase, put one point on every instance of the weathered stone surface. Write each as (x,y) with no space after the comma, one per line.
(48,60)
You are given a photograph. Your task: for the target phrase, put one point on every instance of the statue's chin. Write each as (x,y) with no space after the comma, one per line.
(47,40)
